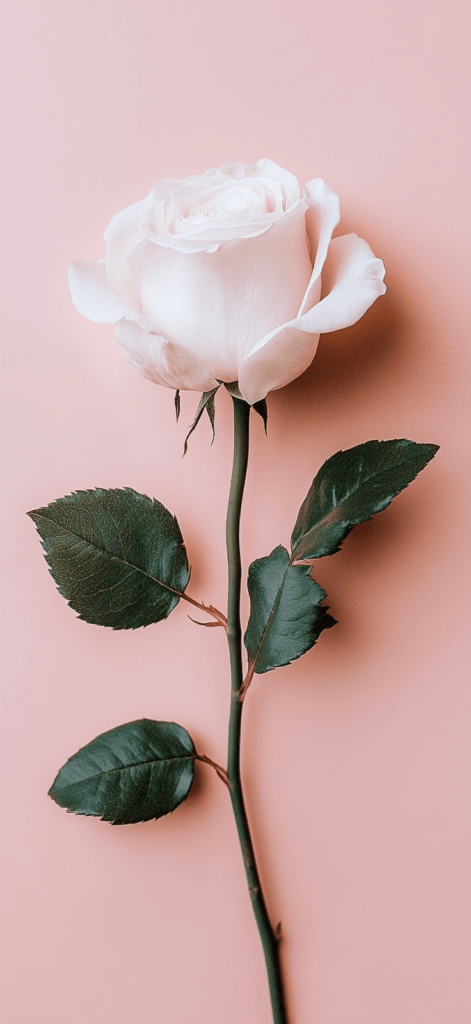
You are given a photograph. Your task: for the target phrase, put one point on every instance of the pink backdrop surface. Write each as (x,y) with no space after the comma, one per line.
(357,757)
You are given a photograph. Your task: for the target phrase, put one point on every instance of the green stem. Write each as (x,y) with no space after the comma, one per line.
(270,942)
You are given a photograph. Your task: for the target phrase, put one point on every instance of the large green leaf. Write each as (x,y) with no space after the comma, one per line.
(286,615)
(351,487)
(117,556)
(136,772)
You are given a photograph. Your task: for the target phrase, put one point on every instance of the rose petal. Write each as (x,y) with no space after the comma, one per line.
(218,305)
(170,219)
(93,295)
(288,181)
(161,359)
(285,356)
(355,278)
(121,236)
(322,217)
(352,280)
(215,236)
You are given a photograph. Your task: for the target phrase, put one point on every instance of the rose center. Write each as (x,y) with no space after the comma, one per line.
(223,206)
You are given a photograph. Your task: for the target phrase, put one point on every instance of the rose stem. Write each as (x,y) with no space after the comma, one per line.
(270,942)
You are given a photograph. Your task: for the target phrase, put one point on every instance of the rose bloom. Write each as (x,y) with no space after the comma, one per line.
(228,276)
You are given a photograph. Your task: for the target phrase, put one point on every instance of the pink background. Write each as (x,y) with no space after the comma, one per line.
(357,756)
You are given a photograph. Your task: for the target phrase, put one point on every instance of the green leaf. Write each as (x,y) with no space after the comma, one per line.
(286,615)
(136,772)
(350,488)
(206,402)
(117,556)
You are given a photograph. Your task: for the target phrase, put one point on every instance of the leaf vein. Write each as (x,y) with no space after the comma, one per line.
(126,767)
(111,555)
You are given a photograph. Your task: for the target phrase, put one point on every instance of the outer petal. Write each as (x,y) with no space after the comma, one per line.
(161,359)
(93,295)
(284,357)
(322,217)
(121,236)
(355,279)
(218,305)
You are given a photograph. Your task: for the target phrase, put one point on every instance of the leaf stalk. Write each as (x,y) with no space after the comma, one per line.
(247,681)
(208,608)
(220,771)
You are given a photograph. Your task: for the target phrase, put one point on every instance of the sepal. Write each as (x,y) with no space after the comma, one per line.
(206,403)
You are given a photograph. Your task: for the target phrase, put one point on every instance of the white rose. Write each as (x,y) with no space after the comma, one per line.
(219,277)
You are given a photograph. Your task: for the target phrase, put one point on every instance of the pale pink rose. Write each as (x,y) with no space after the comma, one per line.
(230,275)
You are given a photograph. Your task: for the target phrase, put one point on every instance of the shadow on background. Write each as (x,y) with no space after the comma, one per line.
(371,356)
